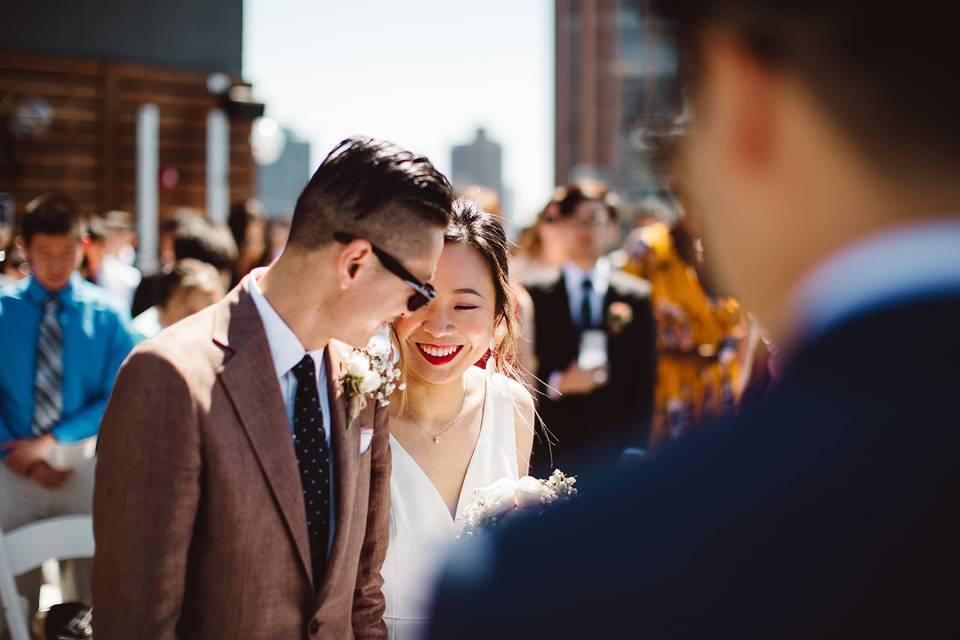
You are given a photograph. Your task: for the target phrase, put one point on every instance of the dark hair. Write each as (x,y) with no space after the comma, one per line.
(184,273)
(373,189)
(471,226)
(880,72)
(242,215)
(572,195)
(51,214)
(198,239)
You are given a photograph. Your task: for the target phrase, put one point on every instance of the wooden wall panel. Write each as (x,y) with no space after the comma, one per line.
(89,152)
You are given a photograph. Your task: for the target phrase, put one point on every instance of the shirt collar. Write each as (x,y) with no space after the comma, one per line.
(599,276)
(285,347)
(36,293)
(891,267)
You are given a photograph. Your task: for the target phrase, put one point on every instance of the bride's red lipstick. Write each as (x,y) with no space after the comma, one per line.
(434,358)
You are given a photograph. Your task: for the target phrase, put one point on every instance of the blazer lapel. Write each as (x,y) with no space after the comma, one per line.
(564,322)
(346,459)
(250,380)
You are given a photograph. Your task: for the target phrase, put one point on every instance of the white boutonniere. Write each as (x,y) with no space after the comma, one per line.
(371,372)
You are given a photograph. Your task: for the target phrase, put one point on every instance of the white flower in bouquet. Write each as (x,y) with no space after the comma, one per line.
(530,493)
(507,496)
(498,498)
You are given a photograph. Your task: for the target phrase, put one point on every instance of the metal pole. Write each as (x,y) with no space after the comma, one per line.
(148,167)
(218,165)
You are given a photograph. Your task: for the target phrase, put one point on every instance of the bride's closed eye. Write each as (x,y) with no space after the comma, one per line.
(465,307)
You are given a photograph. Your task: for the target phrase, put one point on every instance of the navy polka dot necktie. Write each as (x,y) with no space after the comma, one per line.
(313,459)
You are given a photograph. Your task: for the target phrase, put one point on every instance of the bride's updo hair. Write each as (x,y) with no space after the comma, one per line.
(473,227)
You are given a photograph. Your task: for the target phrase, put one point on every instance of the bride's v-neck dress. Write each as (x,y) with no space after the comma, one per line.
(421,528)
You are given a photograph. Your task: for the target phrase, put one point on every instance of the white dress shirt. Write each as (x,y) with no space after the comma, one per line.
(287,351)
(573,279)
(900,265)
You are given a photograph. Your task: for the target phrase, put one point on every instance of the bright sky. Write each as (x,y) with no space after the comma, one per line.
(422,73)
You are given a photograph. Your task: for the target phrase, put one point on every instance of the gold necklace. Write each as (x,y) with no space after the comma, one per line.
(453,423)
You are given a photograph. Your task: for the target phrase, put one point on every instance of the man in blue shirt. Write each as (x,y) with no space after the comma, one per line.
(62,341)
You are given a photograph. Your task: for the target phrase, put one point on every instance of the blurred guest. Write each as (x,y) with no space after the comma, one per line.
(168,231)
(187,287)
(277,233)
(542,247)
(248,226)
(198,239)
(823,159)
(121,238)
(698,334)
(103,268)
(63,340)
(13,264)
(597,403)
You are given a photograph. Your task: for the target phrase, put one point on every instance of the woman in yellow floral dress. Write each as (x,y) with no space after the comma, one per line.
(698,335)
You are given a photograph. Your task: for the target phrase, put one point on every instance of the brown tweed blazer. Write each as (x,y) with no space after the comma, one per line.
(198,508)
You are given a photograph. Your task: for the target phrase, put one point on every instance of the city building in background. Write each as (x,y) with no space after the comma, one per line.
(119,116)
(616,85)
(480,163)
(280,183)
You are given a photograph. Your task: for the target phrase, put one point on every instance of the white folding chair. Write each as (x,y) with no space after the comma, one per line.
(28,547)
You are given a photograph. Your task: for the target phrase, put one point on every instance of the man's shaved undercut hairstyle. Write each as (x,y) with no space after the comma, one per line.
(375,190)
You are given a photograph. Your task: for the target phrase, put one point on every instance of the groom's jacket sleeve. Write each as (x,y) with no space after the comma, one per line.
(368,600)
(145,499)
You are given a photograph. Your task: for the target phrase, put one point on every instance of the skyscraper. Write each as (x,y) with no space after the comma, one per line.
(616,80)
(480,163)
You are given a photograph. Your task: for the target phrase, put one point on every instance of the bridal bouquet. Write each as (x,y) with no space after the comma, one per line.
(508,496)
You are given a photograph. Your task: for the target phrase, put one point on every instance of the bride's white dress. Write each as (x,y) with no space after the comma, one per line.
(420,524)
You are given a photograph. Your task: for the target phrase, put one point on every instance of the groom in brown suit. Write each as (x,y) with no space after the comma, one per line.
(234,498)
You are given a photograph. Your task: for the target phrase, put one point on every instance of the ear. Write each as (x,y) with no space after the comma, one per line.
(352,261)
(739,100)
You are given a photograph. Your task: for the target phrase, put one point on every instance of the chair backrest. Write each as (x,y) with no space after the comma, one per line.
(28,547)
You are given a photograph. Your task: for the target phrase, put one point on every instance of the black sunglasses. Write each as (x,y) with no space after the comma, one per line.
(423,292)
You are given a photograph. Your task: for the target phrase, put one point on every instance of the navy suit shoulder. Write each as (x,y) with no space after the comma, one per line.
(543,284)
(826,511)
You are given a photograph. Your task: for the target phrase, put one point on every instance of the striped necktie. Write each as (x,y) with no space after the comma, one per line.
(48,383)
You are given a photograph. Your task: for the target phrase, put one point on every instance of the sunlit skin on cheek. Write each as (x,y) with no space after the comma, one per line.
(441,341)
(382,297)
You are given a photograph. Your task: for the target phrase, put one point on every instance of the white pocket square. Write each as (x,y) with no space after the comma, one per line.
(366,437)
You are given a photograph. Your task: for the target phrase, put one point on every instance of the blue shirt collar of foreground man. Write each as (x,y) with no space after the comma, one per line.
(895,266)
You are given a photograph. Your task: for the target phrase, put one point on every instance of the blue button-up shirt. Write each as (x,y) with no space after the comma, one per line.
(96,340)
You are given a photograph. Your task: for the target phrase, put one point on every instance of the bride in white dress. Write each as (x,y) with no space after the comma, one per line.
(457,427)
